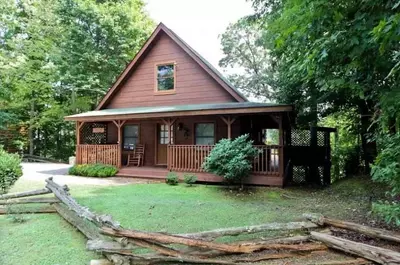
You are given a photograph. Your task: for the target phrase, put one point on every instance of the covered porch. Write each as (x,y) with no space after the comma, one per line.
(181,141)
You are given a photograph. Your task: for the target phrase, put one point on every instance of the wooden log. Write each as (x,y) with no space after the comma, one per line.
(61,192)
(104,246)
(24,194)
(230,248)
(157,259)
(366,230)
(234,231)
(376,254)
(100,262)
(358,261)
(87,229)
(43,209)
(29,200)
(268,257)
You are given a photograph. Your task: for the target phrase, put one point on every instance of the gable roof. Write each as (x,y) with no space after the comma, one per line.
(204,64)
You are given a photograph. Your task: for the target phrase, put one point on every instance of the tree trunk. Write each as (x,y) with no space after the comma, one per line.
(366,230)
(376,254)
(24,194)
(30,129)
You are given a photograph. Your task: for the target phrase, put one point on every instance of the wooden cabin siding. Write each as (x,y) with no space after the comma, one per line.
(193,84)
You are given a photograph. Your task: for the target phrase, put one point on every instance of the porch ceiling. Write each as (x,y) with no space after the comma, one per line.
(180,110)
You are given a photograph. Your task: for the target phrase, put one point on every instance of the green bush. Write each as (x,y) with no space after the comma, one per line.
(10,170)
(189,179)
(386,169)
(93,170)
(231,159)
(172,178)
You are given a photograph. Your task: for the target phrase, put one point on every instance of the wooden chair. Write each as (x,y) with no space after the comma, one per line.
(137,156)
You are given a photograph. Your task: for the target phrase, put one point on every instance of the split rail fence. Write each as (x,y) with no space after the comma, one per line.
(117,244)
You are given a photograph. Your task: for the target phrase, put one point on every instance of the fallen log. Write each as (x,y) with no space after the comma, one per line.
(61,192)
(376,254)
(358,261)
(234,231)
(29,200)
(24,194)
(366,230)
(88,230)
(108,246)
(36,210)
(229,248)
(268,257)
(157,259)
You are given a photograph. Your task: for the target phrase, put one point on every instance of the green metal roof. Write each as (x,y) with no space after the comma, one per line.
(176,108)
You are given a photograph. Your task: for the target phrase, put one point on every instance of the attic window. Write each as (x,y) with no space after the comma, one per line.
(165,81)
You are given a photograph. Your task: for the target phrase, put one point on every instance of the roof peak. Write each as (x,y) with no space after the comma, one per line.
(211,70)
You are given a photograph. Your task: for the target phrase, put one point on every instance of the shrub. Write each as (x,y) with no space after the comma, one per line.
(189,179)
(10,170)
(93,170)
(231,159)
(386,169)
(172,178)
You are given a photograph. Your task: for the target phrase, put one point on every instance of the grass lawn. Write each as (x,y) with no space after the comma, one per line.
(47,239)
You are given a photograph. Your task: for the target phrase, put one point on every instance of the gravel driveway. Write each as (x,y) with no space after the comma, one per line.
(59,172)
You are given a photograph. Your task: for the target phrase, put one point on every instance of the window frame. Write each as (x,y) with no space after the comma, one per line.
(195,136)
(123,135)
(164,92)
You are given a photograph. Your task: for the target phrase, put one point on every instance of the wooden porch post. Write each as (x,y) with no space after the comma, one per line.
(228,120)
(281,162)
(119,125)
(79,125)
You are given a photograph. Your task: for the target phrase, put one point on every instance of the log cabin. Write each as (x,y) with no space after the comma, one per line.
(167,110)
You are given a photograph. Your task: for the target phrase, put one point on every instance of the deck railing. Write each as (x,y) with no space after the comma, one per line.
(92,153)
(190,158)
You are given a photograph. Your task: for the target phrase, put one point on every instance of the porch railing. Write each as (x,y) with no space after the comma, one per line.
(190,158)
(92,153)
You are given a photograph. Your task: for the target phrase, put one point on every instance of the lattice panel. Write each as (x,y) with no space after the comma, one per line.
(93,133)
(300,138)
(321,138)
(299,174)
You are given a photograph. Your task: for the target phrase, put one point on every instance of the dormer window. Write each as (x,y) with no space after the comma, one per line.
(165,78)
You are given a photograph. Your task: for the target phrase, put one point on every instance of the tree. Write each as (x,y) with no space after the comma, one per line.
(243,49)
(60,57)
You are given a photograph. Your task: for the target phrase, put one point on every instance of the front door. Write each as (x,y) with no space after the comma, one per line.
(162,143)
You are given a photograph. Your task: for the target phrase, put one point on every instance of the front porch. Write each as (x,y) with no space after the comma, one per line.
(181,142)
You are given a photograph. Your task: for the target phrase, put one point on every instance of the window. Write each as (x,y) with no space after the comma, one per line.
(131,136)
(205,134)
(165,77)
(163,137)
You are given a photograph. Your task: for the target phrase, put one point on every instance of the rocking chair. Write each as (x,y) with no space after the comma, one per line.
(136,158)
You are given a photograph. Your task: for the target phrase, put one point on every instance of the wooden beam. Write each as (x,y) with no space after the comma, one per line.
(29,200)
(280,150)
(234,231)
(366,230)
(228,121)
(377,254)
(43,209)
(24,194)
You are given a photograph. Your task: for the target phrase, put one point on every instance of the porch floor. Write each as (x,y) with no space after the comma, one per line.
(161,173)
